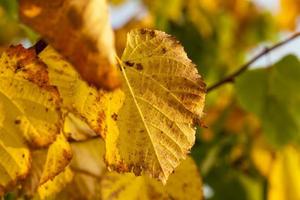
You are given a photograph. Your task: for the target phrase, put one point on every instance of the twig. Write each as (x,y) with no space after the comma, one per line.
(245,66)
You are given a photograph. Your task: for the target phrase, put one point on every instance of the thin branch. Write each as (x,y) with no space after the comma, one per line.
(244,67)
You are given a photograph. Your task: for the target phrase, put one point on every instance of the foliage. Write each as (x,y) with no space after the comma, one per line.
(89,112)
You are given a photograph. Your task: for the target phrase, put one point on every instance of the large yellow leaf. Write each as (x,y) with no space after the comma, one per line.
(80,30)
(86,103)
(184,184)
(164,101)
(26,92)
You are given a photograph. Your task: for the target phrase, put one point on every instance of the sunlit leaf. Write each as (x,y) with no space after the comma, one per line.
(164,101)
(88,167)
(55,185)
(289,11)
(185,183)
(58,157)
(281,168)
(46,165)
(32,101)
(121,33)
(83,102)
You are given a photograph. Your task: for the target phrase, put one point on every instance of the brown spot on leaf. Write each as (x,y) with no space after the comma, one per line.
(67,155)
(137,170)
(18,67)
(129,64)
(139,66)
(17,121)
(152,33)
(114,116)
(143,31)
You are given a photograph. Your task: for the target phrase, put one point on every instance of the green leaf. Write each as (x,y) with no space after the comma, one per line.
(271,94)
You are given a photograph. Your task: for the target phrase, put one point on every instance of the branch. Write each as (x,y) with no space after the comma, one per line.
(244,67)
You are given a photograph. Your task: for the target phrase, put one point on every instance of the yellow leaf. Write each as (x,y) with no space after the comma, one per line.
(47,164)
(31,100)
(199,18)
(262,156)
(184,184)
(116,2)
(14,154)
(281,168)
(284,177)
(52,187)
(289,11)
(121,33)
(84,102)
(77,129)
(88,167)
(88,156)
(58,157)
(164,101)
(80,30)
(32,182)
(171,9)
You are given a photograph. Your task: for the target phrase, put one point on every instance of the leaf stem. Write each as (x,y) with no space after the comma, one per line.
(245,66)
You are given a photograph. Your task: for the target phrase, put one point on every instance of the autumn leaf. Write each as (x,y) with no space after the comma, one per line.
(116,2)
(80,31)
(169,9)
(28,96)
(280,167)
(164,101)
(88,167)
(15,156)
(55,185)
(185,183)
(46,165)
(121,33)
(58,157)
(289,11)
(81,102)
